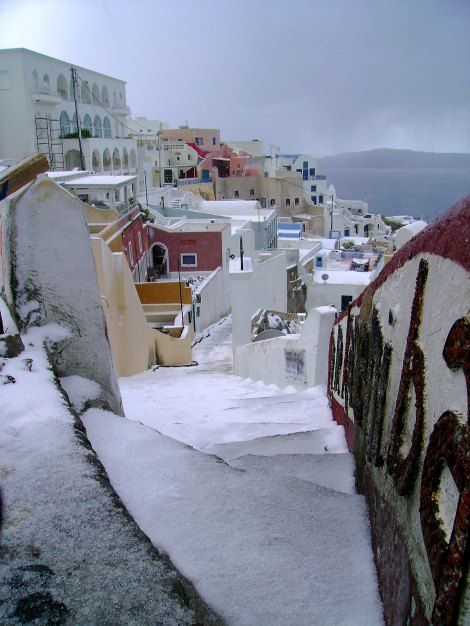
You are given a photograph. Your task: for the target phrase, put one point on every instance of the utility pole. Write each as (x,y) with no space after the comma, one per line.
(160,155)
(331,222)
(181,295)
(74,79)
(145,180)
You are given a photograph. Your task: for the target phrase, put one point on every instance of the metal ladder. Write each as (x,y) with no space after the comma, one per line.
(49,141)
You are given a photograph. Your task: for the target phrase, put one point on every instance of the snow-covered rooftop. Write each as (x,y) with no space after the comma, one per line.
(343,277)
(99,182)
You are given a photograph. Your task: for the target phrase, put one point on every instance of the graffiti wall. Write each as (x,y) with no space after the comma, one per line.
(399,381)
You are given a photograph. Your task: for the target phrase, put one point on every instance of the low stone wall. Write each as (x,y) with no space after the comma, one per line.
(399,381)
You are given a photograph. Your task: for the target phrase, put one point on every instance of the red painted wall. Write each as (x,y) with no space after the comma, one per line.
(132,225)
(207,245)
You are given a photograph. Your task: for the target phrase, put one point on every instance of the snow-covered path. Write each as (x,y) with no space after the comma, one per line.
(248,488)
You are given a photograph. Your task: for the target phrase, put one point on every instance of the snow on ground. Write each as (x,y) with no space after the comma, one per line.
(260,548)
(206,405)
(258,509)
(69,553)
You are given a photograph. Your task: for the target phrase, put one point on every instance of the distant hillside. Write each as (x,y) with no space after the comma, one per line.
(386,158)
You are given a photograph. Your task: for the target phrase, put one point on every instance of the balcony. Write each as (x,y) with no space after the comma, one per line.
(121,109)
(45,97)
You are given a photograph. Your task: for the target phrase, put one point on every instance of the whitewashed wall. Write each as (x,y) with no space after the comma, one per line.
(266,360)
(214,300)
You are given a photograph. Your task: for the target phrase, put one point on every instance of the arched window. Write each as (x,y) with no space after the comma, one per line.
(106,128)
(35,82)
(133,160)
(96,93)
(64,124)
(85,93)
(87,124)
(97,131)
(74,128)
(105,96)
(116,160)
(62,87)
(46,87)
(96,160)
(106,160)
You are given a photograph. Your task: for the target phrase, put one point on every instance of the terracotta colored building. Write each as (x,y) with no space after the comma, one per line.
(199,247)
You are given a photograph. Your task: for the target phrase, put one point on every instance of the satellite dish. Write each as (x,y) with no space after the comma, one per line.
(325,277)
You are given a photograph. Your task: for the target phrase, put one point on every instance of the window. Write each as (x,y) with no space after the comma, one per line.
(139,239)
(313,188)
(272,202)
(106,128)
(252,192)
(300,171)
(346,232)
(312,171)
(196,140)
(305,165)
(189,157)
(177,158)
(287,201)
(188,260)
(288,168)
(345,300)
(296,201)
(314,199)
(319,261)
(320,199)
(262,201)
(87,125)
(130,249)
(97,132)
(236,194)
(64,123)
(213,141)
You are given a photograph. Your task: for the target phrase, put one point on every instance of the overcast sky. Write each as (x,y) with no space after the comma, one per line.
(307,75)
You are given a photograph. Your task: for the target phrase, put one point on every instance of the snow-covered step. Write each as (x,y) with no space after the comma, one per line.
(260,549)
(335,471)
(320,441)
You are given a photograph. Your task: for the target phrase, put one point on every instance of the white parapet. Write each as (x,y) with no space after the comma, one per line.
(240,298)
(300,360)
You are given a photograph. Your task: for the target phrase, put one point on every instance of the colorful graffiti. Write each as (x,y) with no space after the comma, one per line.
(411,442)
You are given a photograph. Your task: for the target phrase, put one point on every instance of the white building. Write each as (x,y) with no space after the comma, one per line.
(37,113)
(404,234)
(314,184)
(351,218)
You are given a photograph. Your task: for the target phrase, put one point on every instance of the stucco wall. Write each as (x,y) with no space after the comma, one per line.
(266,360)
(212,300)
(135,345)
(55,281)
(205,244)
(399,382)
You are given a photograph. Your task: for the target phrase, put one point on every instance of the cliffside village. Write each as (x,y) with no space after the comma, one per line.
(179,205)
(206,353)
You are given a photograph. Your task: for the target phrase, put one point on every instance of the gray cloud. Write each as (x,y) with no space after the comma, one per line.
(318,76)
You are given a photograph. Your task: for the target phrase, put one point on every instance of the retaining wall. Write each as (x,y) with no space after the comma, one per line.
(399,380)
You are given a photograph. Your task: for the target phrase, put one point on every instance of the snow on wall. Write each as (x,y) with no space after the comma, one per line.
(212,300)
(399,381)
(269,360)
(55,281)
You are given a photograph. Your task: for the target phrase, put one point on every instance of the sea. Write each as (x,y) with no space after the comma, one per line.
(422,193)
